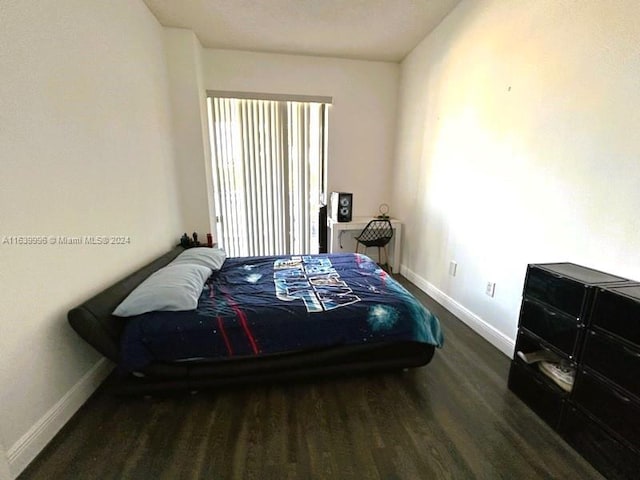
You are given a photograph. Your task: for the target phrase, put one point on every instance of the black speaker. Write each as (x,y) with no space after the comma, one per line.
(322,229)
(341,206)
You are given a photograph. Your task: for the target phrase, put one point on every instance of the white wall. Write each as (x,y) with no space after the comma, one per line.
(362,118)
(5,473)
(517,144)
(85,150)
(192,153)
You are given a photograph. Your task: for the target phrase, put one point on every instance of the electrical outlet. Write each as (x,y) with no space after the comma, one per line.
(491,289)
(453,268)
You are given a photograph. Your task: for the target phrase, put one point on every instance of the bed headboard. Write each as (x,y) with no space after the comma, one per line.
(93,320)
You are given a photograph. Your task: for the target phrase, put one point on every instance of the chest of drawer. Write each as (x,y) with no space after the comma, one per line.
(553,289)
(617,310)
(537,392)
(556,328)
(566,286)
(612,458)
(614,360)
(616,410)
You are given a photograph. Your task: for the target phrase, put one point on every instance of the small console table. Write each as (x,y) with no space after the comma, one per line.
(356,225)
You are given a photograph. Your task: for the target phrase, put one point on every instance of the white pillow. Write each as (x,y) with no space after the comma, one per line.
(172,288)
(207,257)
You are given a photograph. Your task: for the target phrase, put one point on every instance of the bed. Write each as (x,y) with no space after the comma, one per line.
(262,319)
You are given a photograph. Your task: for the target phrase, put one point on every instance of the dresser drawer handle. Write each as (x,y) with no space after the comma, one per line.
(544,309)
(621,397)
(546,349)
(630,352)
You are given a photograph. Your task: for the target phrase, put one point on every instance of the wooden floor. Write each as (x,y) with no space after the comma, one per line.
(454,418)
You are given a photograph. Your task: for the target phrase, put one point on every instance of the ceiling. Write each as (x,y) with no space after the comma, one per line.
(385,30)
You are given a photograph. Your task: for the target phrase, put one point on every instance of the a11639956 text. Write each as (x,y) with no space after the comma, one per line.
(39,240)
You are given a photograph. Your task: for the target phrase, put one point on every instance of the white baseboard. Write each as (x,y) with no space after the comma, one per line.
(477,324)
(42,432)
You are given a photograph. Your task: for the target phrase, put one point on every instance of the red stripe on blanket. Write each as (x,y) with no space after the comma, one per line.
(224,336)
(243,322)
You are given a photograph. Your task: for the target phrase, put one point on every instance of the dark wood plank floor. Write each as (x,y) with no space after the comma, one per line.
(454,418)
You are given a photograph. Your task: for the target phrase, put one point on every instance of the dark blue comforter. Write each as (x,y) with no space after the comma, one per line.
(269,305)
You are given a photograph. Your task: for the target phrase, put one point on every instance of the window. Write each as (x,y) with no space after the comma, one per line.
(268,160)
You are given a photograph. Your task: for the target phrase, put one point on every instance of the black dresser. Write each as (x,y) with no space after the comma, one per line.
(589,322)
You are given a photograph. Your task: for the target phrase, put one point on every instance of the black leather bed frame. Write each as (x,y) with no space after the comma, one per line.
(93,321)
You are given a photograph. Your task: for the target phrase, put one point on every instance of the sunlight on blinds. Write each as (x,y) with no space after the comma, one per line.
(267,162)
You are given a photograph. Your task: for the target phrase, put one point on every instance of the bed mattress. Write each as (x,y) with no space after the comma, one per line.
(272,306)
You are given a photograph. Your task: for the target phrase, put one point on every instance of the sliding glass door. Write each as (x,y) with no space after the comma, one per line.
(268,160)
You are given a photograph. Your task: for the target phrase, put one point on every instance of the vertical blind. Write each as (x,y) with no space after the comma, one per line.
(267,169)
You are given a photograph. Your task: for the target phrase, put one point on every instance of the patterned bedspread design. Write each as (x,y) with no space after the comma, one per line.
(313,280)
(270,305)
